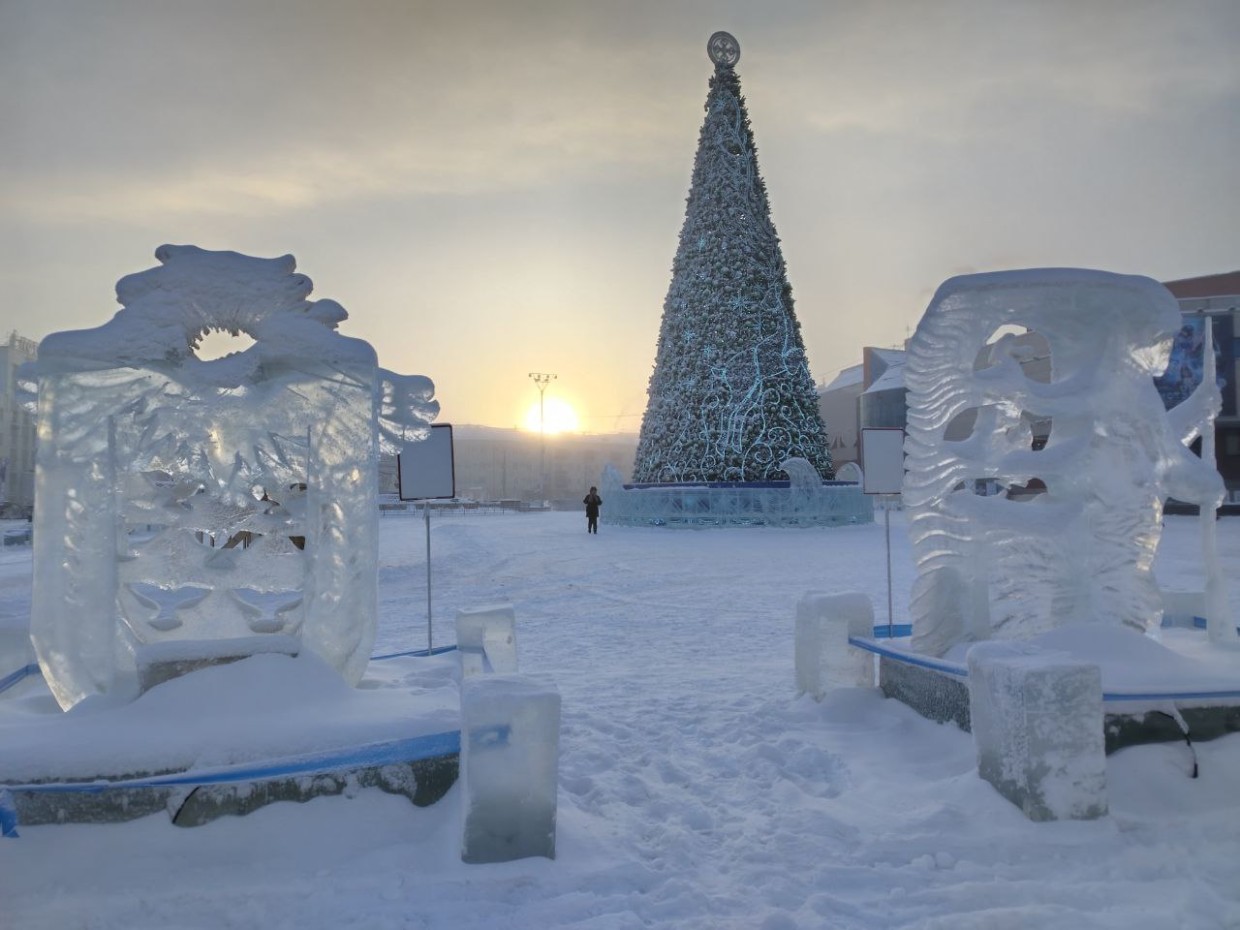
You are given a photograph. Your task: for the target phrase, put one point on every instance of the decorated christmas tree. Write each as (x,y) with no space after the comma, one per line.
(731,396)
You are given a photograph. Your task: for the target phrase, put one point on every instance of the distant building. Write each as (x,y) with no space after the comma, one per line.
(17,431)
(869,395)
(837,403)
(883,403)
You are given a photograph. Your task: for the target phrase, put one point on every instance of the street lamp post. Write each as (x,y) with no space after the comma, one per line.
(541,380)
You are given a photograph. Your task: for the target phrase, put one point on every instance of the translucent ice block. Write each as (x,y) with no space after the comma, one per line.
(1038,725)
(510,745)
(486,638)
(824,659)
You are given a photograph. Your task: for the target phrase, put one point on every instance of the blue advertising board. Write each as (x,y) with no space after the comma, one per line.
(1184,371)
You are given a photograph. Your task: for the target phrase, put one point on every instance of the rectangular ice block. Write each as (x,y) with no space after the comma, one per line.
(824,659)
(1037,723)
(510,746)
(487,640)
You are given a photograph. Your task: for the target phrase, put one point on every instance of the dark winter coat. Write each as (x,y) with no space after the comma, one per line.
(592,502)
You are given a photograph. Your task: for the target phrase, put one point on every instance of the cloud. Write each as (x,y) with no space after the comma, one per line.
(152,120)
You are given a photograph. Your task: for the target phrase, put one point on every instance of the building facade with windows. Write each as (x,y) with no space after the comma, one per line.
(17,431)
(1215,297)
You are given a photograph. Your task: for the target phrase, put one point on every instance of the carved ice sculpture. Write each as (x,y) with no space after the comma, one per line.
(994,559)
(191,511)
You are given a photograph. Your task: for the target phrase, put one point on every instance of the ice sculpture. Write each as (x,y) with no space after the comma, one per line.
(994,559)
(192,511)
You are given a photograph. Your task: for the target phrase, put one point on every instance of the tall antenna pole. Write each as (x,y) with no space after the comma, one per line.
(541,380)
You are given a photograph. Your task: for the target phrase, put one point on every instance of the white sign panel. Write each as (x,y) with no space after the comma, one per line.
(882,453)
(425,470)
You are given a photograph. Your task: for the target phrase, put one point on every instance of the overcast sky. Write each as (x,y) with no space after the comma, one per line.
(492,189)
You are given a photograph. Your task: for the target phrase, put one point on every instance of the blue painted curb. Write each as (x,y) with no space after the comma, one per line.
(413,749)
(13,678)
(956,670)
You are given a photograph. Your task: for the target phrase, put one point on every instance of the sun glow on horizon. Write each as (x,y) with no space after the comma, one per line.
(559,415)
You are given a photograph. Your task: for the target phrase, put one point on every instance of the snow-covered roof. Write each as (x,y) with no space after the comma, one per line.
(890,356)
(893,376)
(846,378)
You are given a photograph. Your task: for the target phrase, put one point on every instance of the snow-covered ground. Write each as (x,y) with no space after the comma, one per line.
(696,789)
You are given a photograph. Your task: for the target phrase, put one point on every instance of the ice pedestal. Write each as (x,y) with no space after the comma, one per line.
(1037,723)
(486,638)
(824,659)
(510,744)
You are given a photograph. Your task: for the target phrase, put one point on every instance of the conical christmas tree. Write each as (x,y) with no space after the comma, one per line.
(731,396)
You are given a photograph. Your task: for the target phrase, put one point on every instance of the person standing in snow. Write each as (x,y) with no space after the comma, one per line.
(592,502)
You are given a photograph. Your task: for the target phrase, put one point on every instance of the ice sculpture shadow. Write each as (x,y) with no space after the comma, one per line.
(192,510)
(1011,539)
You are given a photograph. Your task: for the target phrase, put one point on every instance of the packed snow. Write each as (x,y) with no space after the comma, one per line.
(696,790)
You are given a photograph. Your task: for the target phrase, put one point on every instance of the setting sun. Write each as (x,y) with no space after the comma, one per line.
(560,417)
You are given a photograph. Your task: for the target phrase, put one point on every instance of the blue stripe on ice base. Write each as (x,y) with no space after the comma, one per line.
(892,630)
(947,668)
(1121,696)
(437,651)
(957,670)
(8,814)
(413,749)
(13,678)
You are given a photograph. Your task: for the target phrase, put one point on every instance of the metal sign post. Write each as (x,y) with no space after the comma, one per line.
(426,471)
(882,457)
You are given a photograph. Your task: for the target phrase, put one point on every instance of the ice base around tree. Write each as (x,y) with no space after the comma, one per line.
(767,503)
(183,502)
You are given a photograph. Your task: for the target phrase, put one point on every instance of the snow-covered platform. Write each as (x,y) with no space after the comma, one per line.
(231,738)
(1146,682)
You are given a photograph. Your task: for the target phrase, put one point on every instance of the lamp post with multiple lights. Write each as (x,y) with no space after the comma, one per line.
(541,380)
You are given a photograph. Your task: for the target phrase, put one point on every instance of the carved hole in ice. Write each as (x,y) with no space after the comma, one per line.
(961,426)
(1029,491)
(1028,347)
(217,343)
